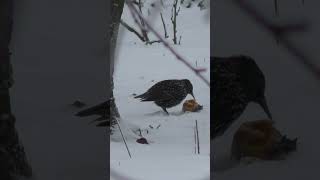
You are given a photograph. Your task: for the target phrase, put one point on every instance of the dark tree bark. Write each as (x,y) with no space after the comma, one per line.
(108,110)
(13,162)
(116,12)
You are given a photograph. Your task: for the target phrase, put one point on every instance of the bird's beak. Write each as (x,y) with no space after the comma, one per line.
(263,103)
(193,95)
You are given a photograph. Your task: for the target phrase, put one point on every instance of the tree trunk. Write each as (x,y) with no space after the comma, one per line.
(13,162)
(116,12)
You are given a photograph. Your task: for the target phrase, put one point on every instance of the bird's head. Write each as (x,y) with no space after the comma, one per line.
(189,87)
(254,83)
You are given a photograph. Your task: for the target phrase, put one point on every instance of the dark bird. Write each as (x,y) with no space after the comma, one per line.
(237,81)
(102,110)
(168,93)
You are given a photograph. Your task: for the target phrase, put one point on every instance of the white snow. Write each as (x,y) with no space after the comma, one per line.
(170,154)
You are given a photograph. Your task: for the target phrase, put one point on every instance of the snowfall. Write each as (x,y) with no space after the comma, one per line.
(59,56)
(292,91)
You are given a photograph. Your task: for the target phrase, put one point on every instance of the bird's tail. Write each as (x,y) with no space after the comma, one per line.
(99,109)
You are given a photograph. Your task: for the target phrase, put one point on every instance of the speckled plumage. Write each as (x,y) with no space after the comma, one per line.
(168,93)
(237,81)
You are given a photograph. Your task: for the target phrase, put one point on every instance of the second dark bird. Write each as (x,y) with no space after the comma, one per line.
(168,93)
(237,81)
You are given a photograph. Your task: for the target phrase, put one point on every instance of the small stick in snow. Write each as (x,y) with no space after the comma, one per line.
(195,140)
(124,140)
(140,132)
(197,131)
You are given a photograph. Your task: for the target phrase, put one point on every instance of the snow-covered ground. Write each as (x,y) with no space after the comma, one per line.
(292,92)
(170,154)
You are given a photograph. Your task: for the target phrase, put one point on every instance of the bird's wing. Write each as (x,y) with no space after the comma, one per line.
(158,96)
(161,91)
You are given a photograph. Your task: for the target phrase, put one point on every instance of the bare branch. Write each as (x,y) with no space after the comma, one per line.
(135,12)
(174,15)
(144,37)
(131,29)
(155,41)
(143,31)
(164,26)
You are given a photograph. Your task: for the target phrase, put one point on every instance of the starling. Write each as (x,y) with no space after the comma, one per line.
(237,82)
(102,110)
(168,93)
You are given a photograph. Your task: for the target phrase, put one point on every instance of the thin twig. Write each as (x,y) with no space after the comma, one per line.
(195,140)
(143,31)
(142,38)
(124,140)
(155,41)
(164,26)
(174,20)
(131,29)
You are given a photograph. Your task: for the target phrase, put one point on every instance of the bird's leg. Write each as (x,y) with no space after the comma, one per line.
(165,110)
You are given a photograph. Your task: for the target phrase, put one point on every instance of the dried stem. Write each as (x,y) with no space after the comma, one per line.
(131,29)
(144,31)
(124,140)
(164,26)
(195,140)
(197,131)
(175,13)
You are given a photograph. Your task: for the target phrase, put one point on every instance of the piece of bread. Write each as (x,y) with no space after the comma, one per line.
(191,106)
(262,140)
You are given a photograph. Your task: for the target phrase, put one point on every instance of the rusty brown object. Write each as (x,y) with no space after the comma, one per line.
(260,139)
(191,106)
